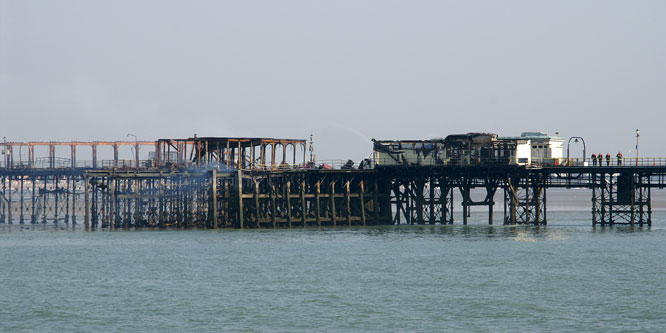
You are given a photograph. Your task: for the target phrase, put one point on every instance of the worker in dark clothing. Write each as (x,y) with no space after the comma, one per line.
(600,158)
(607,159)
(619,158)
(594,159)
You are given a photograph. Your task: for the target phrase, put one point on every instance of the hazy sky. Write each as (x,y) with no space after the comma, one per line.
(346,71)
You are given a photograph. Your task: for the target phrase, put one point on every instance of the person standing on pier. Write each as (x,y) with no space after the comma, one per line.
(619,158)
(594,159)
(607,159)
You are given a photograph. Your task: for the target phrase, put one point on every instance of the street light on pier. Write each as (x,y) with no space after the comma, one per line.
(136,149)
(576,138)
(638,133)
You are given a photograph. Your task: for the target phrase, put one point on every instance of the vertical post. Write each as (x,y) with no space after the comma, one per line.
(262,156)
(252,149)
(46,195)
(348,203)
(362,199)
(138,221)
(115,154)
(317,202)
(303,203)
(213,221)
(112,206)
(332,197)
(419,184)
(160,208)
(273,204)
(31,156)
(94,156)
(284,154)
(387,200)
(56,193)
(649,202)
(67,199)
(227,154)
(257,212)
(537,203)
(464,188)
(287,201)
(545,205)
(594,199)
(431,187)
(610,200)
(527,198)
(21,206)
(602,199)
(9,202)
(3,214)
(86,199)
(513,200)
(633,194)
(293,146)
(239,161)
(73,155)
(273,145)
(239,176)
(490,211)
(136,152)
(33,217)
(51,156)
(375,199)
(158,155)
(74,181)
(641,200)
(505,200)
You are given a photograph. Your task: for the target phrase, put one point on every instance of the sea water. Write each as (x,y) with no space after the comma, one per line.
(566,276)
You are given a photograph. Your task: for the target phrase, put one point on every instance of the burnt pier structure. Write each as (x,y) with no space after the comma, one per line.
(266,183)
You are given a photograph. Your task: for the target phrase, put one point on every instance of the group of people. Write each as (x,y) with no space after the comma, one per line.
(599,159)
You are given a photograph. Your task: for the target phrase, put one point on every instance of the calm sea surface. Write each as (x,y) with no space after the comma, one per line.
(566,276)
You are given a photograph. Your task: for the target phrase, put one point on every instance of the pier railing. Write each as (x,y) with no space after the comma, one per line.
(535,162)
(65,163)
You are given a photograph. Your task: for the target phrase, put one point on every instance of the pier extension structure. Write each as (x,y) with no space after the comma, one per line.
(217,182)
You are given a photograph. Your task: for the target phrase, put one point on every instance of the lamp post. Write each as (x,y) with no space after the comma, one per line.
(136,149)
(638,133)
(576,140)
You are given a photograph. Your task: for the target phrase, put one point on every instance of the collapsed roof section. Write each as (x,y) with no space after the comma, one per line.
(238,153)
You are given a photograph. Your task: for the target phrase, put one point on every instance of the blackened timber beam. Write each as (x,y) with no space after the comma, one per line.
(239,185)
(257,210)
(287,201)
(317,202)
(362,199)
(303,203)
(375,199)
(348,212)
(431,201)
(332,198)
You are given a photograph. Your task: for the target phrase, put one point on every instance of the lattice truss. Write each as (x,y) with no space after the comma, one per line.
(422,200)
(621,199)
(525,200)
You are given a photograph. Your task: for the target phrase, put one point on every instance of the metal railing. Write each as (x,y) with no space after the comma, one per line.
(535,162)
(45,163)
(614,162)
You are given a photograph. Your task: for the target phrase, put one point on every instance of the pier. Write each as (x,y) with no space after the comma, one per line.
(263,182)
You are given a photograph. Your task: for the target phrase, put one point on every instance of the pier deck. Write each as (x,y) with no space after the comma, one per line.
(248,183)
